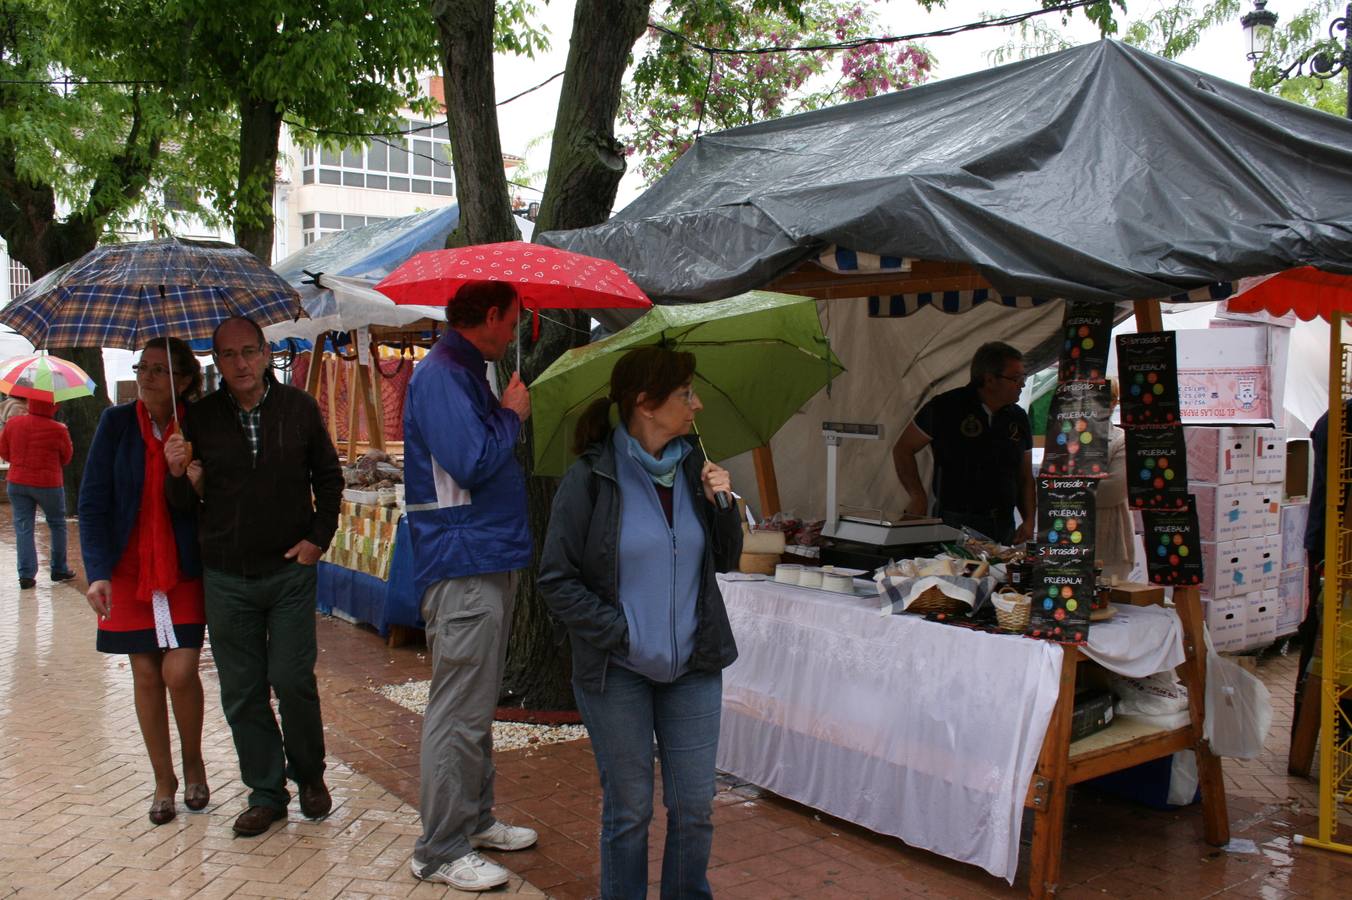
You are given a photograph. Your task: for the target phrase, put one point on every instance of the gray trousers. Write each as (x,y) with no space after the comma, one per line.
(468,621)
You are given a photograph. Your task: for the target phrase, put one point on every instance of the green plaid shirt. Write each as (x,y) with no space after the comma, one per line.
(252,420)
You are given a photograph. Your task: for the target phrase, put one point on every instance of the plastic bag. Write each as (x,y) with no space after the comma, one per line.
(1160,694)
(1238,708)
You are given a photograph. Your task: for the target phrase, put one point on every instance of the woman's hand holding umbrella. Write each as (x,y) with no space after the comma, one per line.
(717,484)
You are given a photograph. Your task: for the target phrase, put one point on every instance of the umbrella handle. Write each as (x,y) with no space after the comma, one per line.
(722,499)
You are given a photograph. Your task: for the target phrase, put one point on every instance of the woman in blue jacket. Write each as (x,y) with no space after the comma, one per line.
(629,562)
(145,574)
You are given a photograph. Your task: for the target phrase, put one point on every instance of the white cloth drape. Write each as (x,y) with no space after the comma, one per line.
(923,731)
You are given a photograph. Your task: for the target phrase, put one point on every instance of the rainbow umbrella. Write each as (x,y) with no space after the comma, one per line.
(38,376)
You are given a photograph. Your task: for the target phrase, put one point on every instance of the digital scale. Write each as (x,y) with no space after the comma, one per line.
(868,543)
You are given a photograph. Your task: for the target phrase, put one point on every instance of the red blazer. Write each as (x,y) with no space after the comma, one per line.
(36,446)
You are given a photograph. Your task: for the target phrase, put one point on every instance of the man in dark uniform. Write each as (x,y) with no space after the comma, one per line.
(982,448)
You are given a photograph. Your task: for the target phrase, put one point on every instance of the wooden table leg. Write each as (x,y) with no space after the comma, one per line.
(1215,817)
(1050,783)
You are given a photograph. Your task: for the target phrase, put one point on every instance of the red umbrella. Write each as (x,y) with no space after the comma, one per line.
(545,278)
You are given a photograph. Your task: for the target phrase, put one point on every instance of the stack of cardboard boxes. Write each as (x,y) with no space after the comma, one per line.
(1252,536)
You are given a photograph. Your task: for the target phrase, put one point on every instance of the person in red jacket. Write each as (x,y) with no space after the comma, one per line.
(37,448)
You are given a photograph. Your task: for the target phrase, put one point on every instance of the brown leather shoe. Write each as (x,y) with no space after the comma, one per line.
(315,801)
(257,819)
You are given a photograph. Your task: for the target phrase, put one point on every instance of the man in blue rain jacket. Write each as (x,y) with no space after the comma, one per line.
(466,506)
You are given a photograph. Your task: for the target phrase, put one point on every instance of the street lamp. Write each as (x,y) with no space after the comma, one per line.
(1325,61)
(1258,26)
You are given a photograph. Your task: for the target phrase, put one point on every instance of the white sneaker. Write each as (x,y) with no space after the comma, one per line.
(470,872)
(501,836)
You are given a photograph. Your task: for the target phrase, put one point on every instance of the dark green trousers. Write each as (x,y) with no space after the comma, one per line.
(263,641)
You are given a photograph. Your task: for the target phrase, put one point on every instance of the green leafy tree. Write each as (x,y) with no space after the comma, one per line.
(679,89)
(336,66)
(92,135)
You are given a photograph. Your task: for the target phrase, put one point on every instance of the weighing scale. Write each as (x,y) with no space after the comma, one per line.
(868,543)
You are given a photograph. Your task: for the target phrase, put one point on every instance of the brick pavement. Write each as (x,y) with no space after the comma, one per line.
(75,784)
(65,817)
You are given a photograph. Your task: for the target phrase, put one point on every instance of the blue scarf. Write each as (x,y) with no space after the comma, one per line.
(662,470)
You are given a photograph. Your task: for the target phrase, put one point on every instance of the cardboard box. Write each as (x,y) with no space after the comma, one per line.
(1294,517)
(1298,468)
(1260,623)
(1221,511)
(1220,455)
(1227,620)
(1224,573)
(1135,594)
(1259,558)
(1273,552)
(1291,599)
(1263,509)
(1269,455)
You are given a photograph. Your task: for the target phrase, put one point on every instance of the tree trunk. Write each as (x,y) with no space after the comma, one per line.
(82,416)
(260,129)
(466,31)
(586,162)
(585,167)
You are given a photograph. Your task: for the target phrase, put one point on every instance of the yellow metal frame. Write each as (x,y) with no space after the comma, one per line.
(1335,733)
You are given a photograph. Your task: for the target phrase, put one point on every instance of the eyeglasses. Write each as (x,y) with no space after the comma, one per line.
(155,371)
(1020,380)
(687,396)
(249,354)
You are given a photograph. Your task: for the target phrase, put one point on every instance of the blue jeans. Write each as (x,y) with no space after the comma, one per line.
(621,721)
(25,500)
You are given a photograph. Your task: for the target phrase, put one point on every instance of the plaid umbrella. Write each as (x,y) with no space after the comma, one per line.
(122,295)
(37,376)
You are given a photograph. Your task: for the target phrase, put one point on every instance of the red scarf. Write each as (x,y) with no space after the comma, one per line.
(157,550)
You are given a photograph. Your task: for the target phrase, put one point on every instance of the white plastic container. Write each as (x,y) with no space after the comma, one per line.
(788,573)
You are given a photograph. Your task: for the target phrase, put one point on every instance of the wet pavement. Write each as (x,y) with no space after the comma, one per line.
(75,785)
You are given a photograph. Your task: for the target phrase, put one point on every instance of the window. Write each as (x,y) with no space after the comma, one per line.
(385,164)
(331,223)
(19,278)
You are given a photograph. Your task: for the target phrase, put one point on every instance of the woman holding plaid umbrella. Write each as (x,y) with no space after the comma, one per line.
(144,568)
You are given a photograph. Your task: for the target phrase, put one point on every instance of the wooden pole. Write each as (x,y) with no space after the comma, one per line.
(766,482)
(367,383)
(1215,819)
(316,369)
(1051,781)
(1148,316)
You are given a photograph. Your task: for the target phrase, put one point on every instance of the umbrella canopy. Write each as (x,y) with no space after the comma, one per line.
(545,278)
(37,376)
(1305,291)
(758,358)
(122,295)
(346,304)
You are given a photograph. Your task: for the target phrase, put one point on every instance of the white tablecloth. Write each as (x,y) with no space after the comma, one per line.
(924,731)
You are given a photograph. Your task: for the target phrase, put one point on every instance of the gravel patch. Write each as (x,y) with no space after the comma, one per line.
(412,695)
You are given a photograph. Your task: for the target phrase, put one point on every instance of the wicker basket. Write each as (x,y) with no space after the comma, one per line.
(1016,620)
(934,601)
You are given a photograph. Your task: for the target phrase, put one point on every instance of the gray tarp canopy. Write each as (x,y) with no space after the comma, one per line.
(1101,172)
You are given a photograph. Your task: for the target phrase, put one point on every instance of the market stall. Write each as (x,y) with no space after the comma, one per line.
(1121,178)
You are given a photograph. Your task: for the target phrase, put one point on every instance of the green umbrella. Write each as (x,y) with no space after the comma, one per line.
(758,358)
